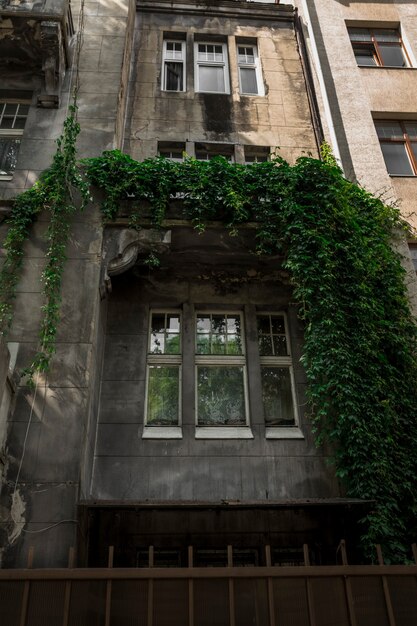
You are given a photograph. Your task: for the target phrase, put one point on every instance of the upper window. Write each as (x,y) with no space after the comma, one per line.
(13,115)
(250,79)
(378,46)
(173,65)
(398,141)
(211,67)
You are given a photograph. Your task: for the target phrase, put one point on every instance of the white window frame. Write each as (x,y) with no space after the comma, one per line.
(204,63)
(163,432)
(166,59)
(204,431)
(282,432)
(12,133)
(255,65)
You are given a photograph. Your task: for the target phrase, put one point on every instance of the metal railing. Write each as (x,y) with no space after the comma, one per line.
(337,595)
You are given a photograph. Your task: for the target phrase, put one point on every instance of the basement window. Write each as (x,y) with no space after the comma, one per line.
(382,47)
(207,151)
(256,154)
(13,115)
(173,150)
(211,67)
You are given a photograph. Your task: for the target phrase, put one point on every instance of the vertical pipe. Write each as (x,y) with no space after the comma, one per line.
(190,589)
(26,589)
(108,588)
(150,587)
(67,596)
(271,606)
(231,588)
(309,590)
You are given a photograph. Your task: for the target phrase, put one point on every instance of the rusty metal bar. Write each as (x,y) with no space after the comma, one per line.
(232,620)
(309,589)
(348,587)
(387,594)
(190,589)
(150,587)
(26,589)
(109,587)
(271,606)
(68,584)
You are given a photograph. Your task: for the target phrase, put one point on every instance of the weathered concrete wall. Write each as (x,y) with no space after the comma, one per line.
(53,468)
(356,94)
(131,468)
(279,119)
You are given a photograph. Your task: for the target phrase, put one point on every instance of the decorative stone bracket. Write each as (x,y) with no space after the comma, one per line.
(121,248)
(53,64)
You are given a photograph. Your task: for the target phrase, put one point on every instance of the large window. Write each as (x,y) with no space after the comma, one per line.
(173,66)
(222,373)
(13,115)
(207,151)
(378,47)
(250,79)
(211,67)
(398,141)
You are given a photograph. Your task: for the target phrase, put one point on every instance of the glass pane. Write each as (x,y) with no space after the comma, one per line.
(265,345)
(157,343)
(389,130)
(10,109)
(165,334)
(221,396)
(365,56)
(411,129)
(264,324)
(163,396)
(23,109)
(218,324)
(203,324)
(280,345)
(392,56)
(7,122)
(218,334)
(271,335)
(359,34)
(211,78)
(277,398)
(277,323)
(218,344)
(173,323)
(9,150)
(396,159)
(245,55)
(172,344)
(234,344)
(174,76)
(387,34)
(248,80)
(20,122)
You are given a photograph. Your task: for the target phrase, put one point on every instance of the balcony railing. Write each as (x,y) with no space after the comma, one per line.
(338,595)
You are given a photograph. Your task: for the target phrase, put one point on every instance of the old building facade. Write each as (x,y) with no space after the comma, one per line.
(160,422)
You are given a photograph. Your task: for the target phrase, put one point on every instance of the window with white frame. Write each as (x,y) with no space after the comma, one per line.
(13,115)
(163,375)
(207,151)
(211,67)
(173,65)
(276,370)
(257,154)
(220,365)
(173,150)
(250,77)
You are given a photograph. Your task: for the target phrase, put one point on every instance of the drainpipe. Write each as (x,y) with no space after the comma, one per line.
(322,84)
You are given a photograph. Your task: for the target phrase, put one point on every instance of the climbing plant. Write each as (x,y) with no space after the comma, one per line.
(338,243)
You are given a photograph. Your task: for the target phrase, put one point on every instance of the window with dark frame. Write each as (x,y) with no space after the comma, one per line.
(382,47)
(173,150)
(207,151)
(398,140)
(13,116)
(257,154)
(221,368)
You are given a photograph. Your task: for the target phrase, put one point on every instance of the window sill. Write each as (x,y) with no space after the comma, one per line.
(402,175)
(5,177)
(162,432)
(387,67)
(283,432)
(223,432)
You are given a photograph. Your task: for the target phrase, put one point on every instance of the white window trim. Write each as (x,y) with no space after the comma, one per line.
(165,60)
(223,432)
(256,66)
(283,432)
(162,359)
(224,64)
(12,133)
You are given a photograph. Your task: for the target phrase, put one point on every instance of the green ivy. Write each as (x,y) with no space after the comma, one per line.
(360,336)
(335,239)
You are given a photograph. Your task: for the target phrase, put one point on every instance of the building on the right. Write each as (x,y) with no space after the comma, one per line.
(364,65)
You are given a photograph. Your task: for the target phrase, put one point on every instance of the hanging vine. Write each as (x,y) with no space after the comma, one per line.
(336,240)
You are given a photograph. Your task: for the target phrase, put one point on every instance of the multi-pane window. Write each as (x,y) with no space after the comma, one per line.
(257,154)
(13,115)
(211,67)
(163,389)
(207,151)
(378,46)
(250,80)
(398,141)
(221,394)
(276,370)
(173,150)
(173,66)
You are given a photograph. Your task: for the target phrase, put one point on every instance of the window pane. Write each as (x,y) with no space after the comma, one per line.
(411,129)
(211,78)
(396,159)
(9,149)
(221,396)
(174,76)
(271,335)
(163,396)
(165,334)
(245,55)
(387,34)
(392,56)
(248,80)
(359,34)
(365,56)
(277,397)
(219,334)
(389,130)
